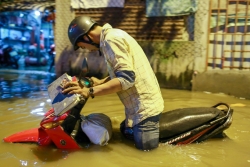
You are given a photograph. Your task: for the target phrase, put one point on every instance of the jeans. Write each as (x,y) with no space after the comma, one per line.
(145,134)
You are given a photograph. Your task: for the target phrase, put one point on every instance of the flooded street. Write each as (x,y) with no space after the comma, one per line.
(24,100)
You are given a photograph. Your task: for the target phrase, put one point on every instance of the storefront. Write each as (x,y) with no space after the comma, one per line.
(28,29)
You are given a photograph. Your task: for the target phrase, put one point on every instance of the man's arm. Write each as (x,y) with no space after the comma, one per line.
(111,86)
(108,87)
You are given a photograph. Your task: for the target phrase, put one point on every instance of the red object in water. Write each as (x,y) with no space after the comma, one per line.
(50,131)
(61,139)
(35,135)
(30,135)
(45,135)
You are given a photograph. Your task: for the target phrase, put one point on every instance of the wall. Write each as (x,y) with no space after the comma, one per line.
(165,40)
(235,83)
(63,17)
(221,67)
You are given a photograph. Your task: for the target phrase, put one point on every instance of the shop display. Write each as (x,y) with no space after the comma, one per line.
(21,30)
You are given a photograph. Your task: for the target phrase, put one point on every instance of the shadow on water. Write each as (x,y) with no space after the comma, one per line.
(51,153)
(20,84)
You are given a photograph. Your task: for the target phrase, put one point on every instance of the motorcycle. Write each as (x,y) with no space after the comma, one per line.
(34,58)
(191,125)
(177,127)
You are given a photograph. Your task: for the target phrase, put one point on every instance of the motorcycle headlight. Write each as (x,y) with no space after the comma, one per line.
(50,125)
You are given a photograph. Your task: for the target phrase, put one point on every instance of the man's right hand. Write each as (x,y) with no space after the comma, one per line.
(97,81)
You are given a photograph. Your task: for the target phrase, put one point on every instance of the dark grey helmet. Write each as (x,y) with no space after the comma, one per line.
(79,27)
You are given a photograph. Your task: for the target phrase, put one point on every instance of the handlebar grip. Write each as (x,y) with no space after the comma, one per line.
(85,82)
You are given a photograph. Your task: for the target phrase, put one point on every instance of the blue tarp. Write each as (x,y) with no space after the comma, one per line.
(170,7)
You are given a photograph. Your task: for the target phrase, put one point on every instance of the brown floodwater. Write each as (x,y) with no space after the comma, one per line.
(24,100)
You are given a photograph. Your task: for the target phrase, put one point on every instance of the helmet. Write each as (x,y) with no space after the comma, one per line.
(79,27)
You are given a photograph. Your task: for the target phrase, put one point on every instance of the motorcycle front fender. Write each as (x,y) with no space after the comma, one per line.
(30,135)
(35,135)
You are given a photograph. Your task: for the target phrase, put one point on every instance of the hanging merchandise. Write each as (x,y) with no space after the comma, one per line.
(41,40)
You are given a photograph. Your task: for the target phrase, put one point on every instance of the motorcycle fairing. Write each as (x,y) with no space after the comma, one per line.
(44,139)
(61,139)
(189,136)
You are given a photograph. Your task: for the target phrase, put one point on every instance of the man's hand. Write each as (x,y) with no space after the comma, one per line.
(97,81)
(75,88)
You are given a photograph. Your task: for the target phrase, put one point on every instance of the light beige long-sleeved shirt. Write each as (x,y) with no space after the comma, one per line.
(141,98)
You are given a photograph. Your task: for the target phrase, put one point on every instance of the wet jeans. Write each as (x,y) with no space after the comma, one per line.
(145,134)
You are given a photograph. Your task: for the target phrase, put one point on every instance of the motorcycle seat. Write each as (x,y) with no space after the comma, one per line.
(178,121)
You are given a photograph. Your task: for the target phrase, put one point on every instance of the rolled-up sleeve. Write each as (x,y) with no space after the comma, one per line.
(127,79)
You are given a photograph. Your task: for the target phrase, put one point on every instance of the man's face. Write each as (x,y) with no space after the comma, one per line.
(84,45)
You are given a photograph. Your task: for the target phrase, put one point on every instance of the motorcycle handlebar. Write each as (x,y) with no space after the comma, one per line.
(85,82)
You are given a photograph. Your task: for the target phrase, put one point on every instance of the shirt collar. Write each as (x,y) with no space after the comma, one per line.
(105,28)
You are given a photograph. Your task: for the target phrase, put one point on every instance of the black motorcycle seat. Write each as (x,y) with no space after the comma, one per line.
(181,120)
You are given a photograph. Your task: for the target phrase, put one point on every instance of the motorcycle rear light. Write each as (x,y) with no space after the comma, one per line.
(50,125)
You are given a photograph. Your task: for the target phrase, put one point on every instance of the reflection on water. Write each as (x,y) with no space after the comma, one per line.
(25,112)
(19,85)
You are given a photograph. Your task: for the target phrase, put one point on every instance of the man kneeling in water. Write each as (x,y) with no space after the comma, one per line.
(130,76)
